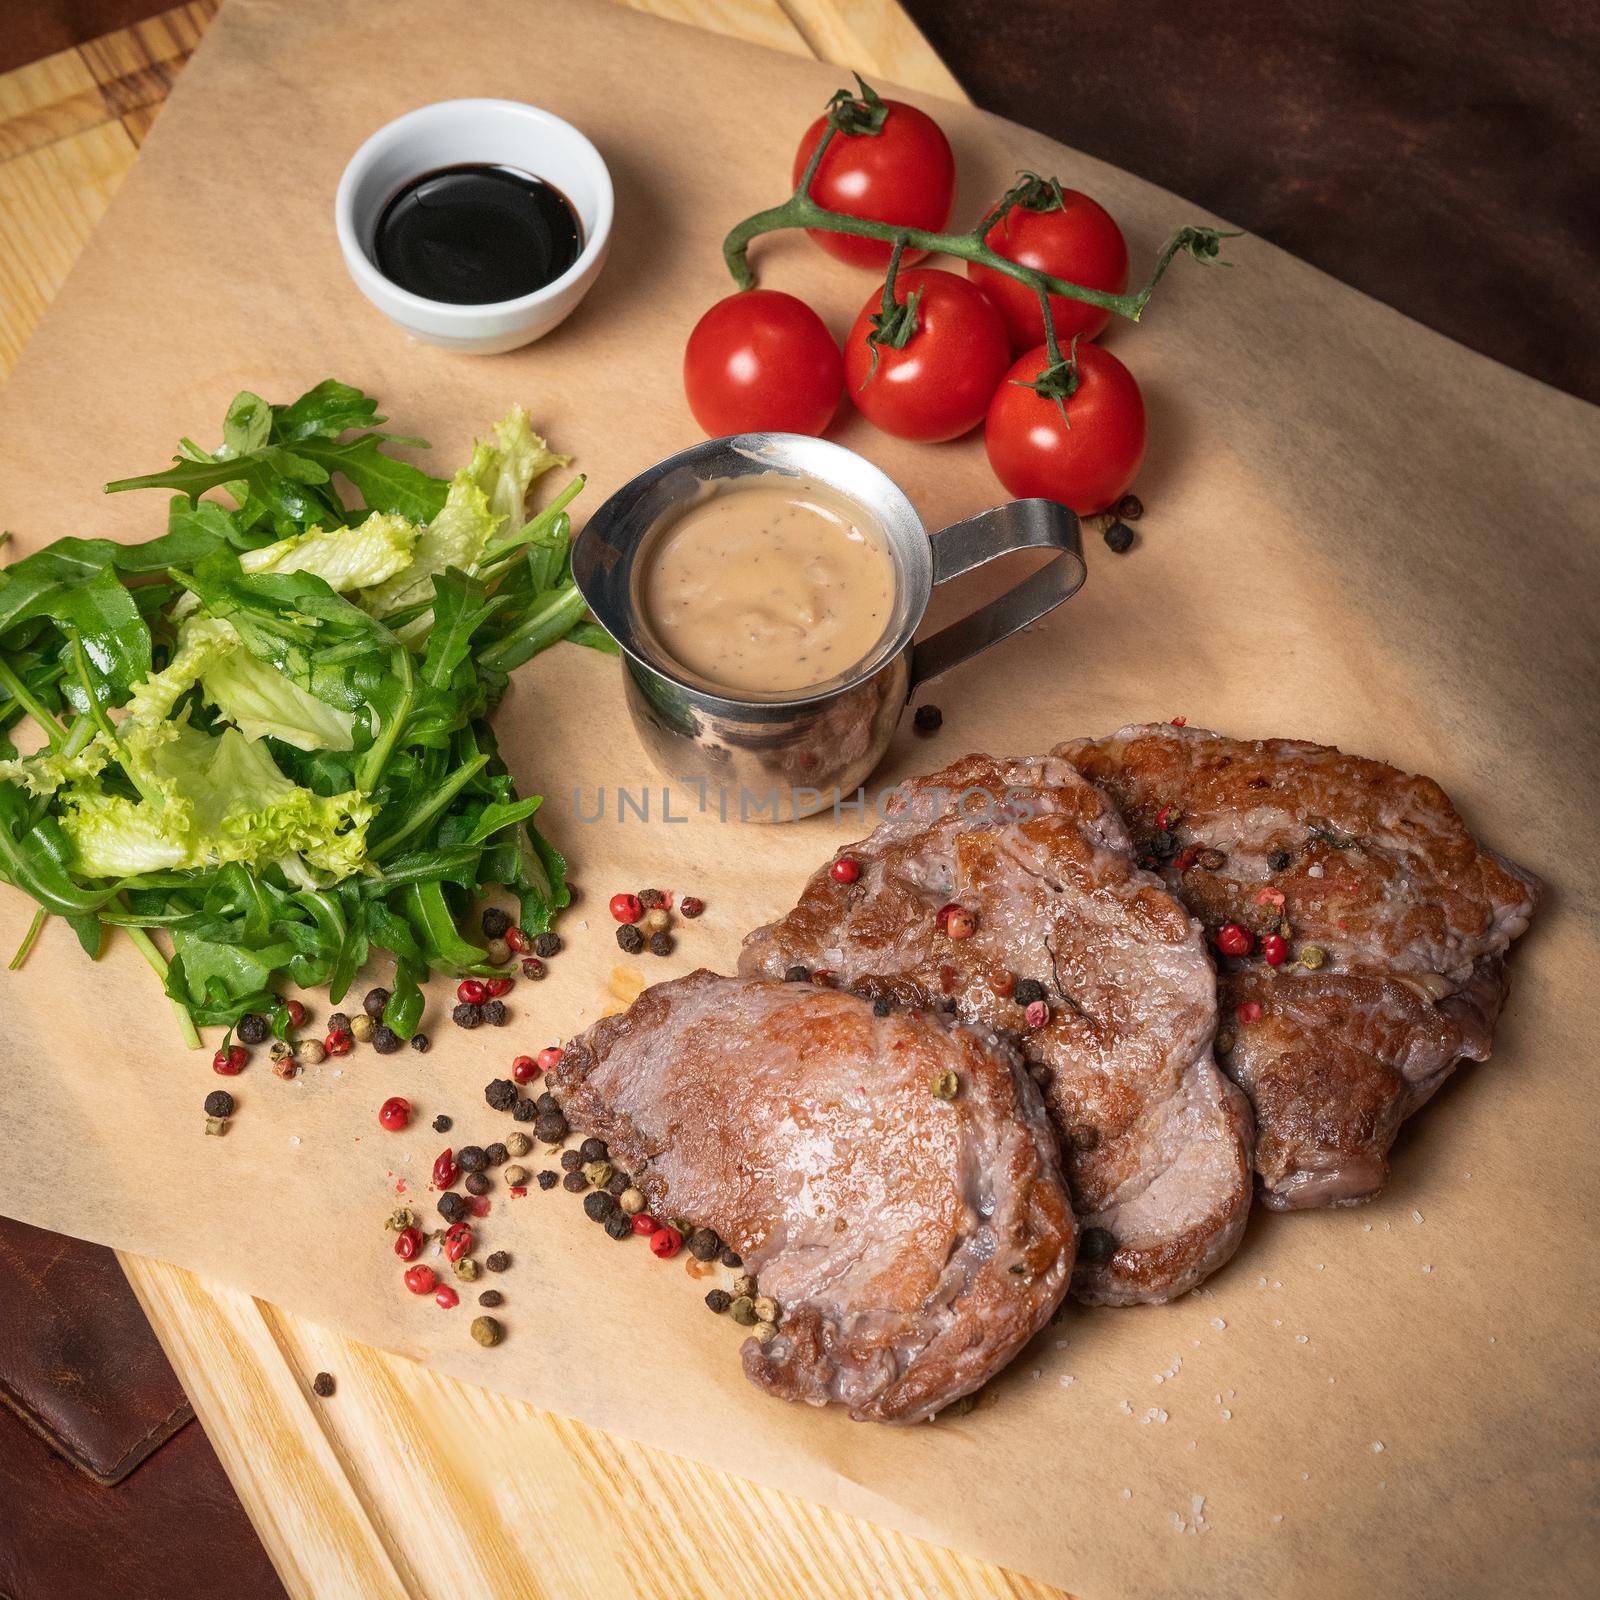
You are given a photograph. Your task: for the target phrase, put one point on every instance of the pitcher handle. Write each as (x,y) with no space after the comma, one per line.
(1021,525)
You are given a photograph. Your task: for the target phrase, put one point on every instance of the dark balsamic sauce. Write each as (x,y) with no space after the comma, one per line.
(473,235)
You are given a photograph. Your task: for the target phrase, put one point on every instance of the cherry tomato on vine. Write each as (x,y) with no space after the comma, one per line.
(1086,466)
(938,386)
(762,360)
(1076,240)
(904,173)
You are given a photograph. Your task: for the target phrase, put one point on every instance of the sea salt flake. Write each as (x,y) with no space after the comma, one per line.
(1377,1447)
(294,1138)
(1065,1380)
(1227,1416)
(1416,1217)
(1124,1408)
(1218,1323)
(1427,1267)
(1300,1338)
(1127,1494)
(1277,1516)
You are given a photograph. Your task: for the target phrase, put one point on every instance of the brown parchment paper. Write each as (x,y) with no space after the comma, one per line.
(1357,532)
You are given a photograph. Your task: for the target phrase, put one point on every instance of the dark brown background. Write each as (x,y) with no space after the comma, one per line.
(1441,155)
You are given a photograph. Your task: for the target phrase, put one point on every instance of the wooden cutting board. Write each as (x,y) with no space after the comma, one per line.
(406,1482)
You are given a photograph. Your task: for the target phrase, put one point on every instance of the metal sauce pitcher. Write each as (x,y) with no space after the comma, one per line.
(789,754)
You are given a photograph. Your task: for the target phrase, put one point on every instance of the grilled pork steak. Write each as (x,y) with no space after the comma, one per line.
(1397,923)
(913,1243)
(1155,1140)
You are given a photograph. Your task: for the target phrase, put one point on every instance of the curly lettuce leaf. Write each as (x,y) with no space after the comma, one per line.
(359,557)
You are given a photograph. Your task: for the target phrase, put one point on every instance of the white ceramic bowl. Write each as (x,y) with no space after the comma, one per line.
(456,133)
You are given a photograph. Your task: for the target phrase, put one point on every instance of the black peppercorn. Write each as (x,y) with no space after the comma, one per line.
(704,1245)
(533,967)
(322,1385)
(571,1160)
(661,944)
(1096,1245)
(495,1013)
(719,1300)
(374,1002)
(880,1008)
(467,1016)
(442,1123)
(1278,860)
(477,1183)
(451,1206)
(1130,508)
(496,1154)
(1119,538)
(575,1182)
(547,1102)
(928,719)
(550,1127)
(339,1022)
(219,1103)
(470,1158)
(253,1028)
(618,1183)
(651,898)
(490,1298)
(548,1179)
(420,1043)
(501,1093)
(494,922)
(547,945)
(526,1111)
(598,1205)
(1027,991)
(629,940)
(731,1258)
(796,975)
(593,1149)
(619,1226)
(497,1261)
(385,1040)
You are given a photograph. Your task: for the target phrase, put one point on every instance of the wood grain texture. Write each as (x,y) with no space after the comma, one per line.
(405,1483)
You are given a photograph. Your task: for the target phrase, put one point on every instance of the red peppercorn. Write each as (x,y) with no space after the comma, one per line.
(297,1013)
(666,1242)
(394,1113)
(339,1044)
(1274,949)
(445,1172)
(516,941)
(691,906)
(549,1058)
(943,918)
(643,1222)
(845,870)
(496,987)
(1037,1013)
(1234,940)
(471,993)
(457,1241)
(446,1299)
(533,967)
(421,1279)
(478,1205)
(1250,1011)
(524,1069)
(822,977)
(1180,722)
(407,1242)
(961,923)
(230,1060)
(626,907)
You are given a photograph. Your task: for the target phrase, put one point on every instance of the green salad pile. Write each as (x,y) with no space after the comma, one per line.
(266,731)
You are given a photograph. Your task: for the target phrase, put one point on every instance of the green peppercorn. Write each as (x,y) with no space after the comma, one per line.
(764,1332)
(743,1310)
(516,1177)
(466,1269)
(719,1300)
(498,952)
(704,1245)
(1311,956)
(401,1219)
(518,1144)
(216,1126)
(362,1027)
(945,1084)
(598,1173)
(766,1308)
(497,1261)
(487,1331)
(744,1284)
(281,1051)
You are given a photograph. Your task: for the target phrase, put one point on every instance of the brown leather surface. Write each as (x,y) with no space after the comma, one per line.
(173,1530)
(78,1361)
(1441,155)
